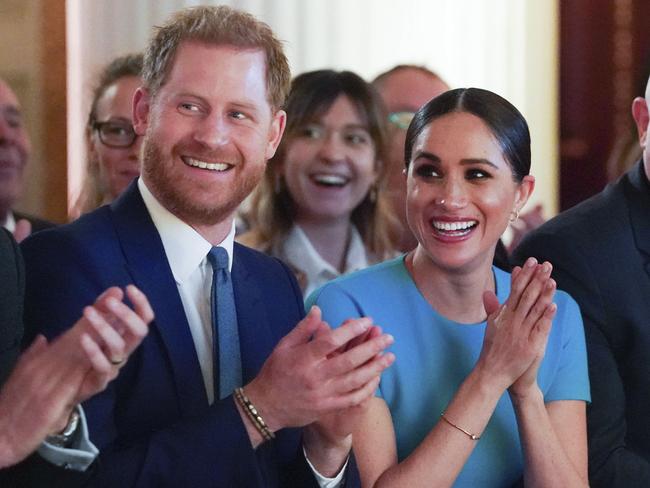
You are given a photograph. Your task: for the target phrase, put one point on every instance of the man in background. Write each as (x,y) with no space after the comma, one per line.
(600,251)
(404,89)
(15,149)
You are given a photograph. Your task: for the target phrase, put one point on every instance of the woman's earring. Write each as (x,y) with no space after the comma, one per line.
(372,194)
(514,216)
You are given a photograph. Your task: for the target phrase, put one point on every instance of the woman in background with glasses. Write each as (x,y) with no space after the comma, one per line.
(321,206)
(113,146)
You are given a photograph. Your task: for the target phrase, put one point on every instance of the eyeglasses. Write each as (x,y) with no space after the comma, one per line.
(115,134)
(401,119)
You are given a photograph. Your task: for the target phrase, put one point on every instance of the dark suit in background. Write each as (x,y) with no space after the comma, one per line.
(34,471)
(12,284)
(600,251)
(153,424)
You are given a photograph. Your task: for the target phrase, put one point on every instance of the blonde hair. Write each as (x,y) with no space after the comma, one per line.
(219,25)
(272,211)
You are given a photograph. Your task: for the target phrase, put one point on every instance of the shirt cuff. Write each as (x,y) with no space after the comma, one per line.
(324,482)
(79,455)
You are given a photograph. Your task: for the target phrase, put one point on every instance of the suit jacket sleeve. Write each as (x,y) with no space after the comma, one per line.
(611,462)
(210,448)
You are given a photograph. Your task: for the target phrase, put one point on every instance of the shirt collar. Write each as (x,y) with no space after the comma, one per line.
(300,254)
(185,248)
(10,222)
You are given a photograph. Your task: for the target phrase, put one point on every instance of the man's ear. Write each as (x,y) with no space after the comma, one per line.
(141,108)
(641,118)
(278,124)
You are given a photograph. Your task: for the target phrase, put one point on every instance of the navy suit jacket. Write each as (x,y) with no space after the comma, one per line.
(153,424)
(600,251)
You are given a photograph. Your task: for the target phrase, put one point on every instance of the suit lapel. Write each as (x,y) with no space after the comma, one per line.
(148,265)
(638,197)
(255,336)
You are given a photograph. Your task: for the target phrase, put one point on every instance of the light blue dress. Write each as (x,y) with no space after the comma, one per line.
(434,355)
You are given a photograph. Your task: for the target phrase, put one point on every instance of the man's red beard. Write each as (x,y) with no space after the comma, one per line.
(174,191)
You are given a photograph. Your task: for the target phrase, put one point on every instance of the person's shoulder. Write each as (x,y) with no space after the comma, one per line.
(368,281)
(87,231)
(565,233)
(266,266)
(38,224)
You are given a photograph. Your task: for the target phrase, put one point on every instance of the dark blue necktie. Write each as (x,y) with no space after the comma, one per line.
(225,344)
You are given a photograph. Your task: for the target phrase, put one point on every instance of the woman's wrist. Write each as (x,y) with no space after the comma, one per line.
(524,396)
(487,380)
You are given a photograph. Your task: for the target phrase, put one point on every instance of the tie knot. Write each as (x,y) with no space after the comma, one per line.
(218,258)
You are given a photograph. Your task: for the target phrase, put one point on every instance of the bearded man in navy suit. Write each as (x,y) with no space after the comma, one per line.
(210,113)
(600,251)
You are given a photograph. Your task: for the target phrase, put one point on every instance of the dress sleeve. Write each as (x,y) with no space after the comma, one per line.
(336,304)
(572,379)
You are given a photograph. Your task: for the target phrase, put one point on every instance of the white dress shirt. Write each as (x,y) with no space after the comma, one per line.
(298,251)
(10,222)
(187,252)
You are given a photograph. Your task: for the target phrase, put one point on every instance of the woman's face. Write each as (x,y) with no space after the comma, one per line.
(329,165)
(460,191)
(118,166)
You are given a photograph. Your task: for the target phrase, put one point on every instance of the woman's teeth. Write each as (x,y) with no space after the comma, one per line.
(458,227)
(330,179)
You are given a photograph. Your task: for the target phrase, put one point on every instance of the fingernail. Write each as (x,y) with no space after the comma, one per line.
(530,262)
(546,267)
(112,303)
(388,339)
(364,323)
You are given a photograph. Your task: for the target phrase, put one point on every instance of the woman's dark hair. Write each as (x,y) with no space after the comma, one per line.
(272,209)
(313,93)
(504,120)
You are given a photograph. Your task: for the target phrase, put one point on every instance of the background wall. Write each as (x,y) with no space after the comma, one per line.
(508,46)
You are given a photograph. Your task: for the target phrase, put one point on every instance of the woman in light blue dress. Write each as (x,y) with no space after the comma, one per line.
(489,383)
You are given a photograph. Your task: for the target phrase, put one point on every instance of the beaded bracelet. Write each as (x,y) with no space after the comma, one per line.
(253,415)
(468,434)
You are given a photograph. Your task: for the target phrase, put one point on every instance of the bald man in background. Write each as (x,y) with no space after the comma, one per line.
(15,150)
(404,89)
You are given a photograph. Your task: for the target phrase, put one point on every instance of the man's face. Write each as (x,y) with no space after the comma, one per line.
(404,91)
(14,148)
(208,132)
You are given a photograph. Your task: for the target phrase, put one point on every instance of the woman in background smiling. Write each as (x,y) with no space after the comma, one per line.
(320,207)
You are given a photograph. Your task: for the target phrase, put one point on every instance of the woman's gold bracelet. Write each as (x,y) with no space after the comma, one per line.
(468,434)
(253,415)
